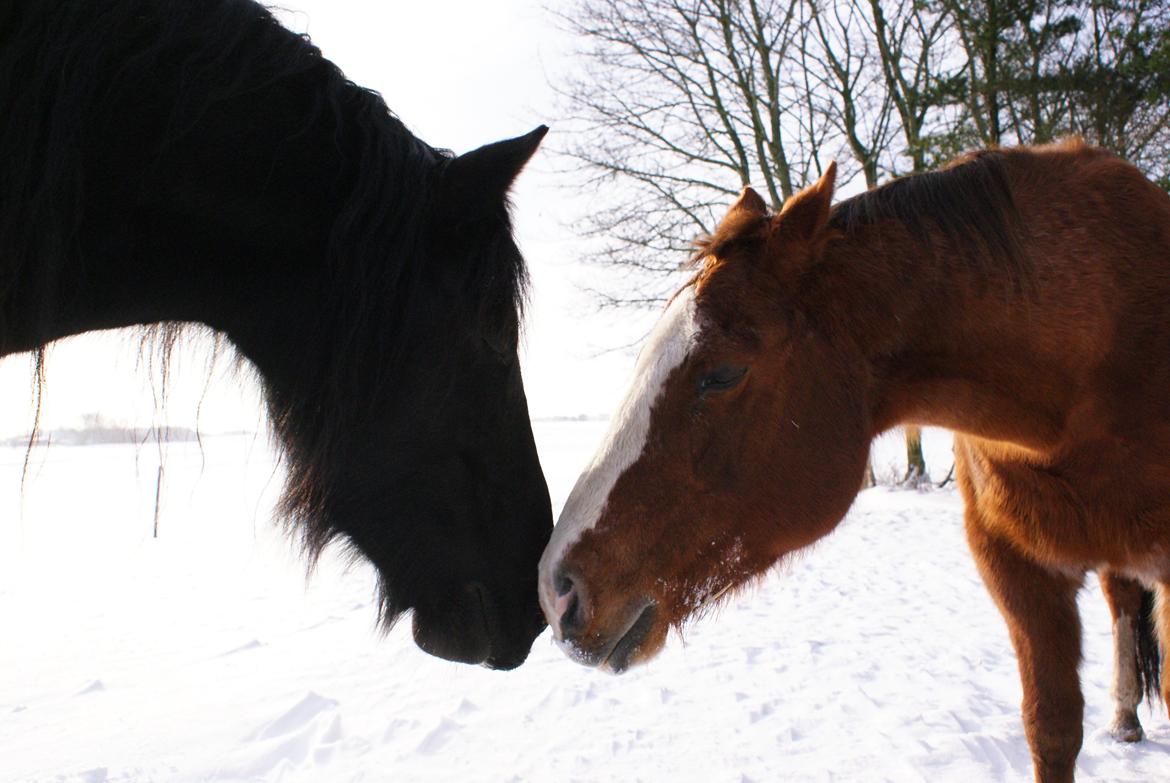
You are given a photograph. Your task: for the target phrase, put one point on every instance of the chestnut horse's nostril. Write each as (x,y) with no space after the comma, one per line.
(569,607)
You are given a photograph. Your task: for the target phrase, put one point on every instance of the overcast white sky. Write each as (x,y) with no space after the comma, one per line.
(459,74)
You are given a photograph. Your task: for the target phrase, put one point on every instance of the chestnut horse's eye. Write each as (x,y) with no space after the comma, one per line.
(721,379)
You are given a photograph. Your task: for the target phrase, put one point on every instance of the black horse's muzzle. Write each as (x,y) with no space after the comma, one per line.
(468,628)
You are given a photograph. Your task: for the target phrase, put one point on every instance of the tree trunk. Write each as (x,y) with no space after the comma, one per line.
(916,475)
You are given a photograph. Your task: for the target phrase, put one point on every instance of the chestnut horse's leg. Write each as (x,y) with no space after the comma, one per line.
(1125,604)
(1040,607)
(1162,630)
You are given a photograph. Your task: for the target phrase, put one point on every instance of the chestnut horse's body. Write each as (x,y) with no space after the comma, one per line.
(1018,297)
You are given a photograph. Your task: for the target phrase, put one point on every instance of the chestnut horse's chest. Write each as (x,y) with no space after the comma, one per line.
(1104,505)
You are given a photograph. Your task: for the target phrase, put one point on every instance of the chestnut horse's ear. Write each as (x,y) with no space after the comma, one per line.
(804,216)
(747,212)
(749,201)
(478,180)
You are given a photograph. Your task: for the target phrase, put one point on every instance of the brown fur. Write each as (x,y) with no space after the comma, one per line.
(1018,298)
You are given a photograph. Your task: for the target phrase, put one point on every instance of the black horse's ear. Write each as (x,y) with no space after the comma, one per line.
(478,180)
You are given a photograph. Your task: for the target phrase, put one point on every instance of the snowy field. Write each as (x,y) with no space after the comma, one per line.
(205,656)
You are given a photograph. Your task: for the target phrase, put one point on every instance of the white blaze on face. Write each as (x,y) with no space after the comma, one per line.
(665,349)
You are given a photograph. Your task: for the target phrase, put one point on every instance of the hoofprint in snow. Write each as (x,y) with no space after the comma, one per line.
(205,656)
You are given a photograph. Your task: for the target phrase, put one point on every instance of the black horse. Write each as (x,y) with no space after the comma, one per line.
(193,162)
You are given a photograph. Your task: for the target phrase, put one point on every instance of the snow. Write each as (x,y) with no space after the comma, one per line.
(205,655)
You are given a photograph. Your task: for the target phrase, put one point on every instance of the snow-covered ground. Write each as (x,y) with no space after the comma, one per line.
(204,655)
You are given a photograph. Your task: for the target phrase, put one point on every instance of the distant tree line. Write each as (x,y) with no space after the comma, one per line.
(680,103)
(96,430)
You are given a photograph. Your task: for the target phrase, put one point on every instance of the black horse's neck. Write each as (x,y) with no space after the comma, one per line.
(234,187)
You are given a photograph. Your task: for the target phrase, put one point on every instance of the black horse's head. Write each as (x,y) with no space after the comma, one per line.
(201,163)
(405,423)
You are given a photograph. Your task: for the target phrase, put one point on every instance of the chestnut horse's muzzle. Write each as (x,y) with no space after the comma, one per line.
(612,650)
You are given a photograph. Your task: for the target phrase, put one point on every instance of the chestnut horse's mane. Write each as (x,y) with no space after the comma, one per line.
(969,203)
(961,213)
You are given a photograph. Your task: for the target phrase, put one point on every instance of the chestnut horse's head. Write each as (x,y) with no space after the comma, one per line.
(744,437)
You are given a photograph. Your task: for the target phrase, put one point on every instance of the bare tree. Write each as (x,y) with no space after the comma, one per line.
(842,82)
(920,76)
(680,104)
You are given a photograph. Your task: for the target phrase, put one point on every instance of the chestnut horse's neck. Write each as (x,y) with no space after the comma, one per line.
(960,374)
(958,334)
(945,353)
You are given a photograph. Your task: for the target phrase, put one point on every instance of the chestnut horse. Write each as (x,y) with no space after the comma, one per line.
(1018,297)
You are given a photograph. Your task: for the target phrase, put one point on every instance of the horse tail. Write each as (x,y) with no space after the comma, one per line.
(1149,654)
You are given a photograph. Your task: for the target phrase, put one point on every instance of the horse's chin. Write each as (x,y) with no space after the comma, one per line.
(641,640)
(459,629)
(466,628)
(506,660)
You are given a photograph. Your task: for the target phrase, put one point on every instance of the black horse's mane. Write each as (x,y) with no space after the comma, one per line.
(64,62)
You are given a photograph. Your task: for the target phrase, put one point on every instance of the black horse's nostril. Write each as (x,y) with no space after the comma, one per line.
(570,608)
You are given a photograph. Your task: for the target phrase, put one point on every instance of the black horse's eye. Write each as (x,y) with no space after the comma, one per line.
(721,379)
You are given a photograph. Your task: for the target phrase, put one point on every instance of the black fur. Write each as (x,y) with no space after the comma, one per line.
(192,161)
(1149,655)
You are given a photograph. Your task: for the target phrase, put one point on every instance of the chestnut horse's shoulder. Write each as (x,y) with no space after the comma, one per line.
(1072,509)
